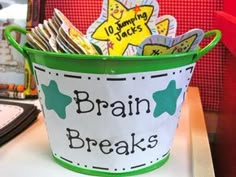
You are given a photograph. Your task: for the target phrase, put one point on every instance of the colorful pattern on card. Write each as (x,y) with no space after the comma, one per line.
(166,25)
(59,35)
(124,23)
(158,44)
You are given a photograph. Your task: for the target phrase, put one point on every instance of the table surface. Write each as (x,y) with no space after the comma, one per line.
(29,153)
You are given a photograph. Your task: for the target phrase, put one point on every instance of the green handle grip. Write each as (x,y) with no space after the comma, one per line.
(203,51)
(11,39)
(15,44)
(214,41)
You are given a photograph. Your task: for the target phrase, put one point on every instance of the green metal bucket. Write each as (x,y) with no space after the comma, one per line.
(111,115)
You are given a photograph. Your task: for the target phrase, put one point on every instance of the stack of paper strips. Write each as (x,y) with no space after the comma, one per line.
(14,118)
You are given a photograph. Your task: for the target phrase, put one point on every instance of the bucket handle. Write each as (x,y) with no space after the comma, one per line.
(216,33)
(11,39)
(217,36)
(15,44)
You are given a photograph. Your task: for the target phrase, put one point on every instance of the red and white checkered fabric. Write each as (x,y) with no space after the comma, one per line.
(190,14)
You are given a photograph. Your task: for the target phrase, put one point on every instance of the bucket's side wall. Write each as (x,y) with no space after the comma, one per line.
(112,122)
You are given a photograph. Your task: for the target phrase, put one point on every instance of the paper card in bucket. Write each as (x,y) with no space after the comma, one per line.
(166,25)
(123,28)
(158,44)
(59,35)
(123,24)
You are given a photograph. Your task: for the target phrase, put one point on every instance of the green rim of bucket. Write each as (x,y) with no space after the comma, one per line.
(109,174)
(108,64)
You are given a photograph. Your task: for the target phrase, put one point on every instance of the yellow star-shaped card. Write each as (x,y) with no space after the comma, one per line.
(123,25)
(166,25)
(159,44)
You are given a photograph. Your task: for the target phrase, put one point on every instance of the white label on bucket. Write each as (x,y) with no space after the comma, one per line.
(114,123)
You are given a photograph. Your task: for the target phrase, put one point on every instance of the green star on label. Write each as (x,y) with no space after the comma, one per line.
(166,99)
(55,100)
